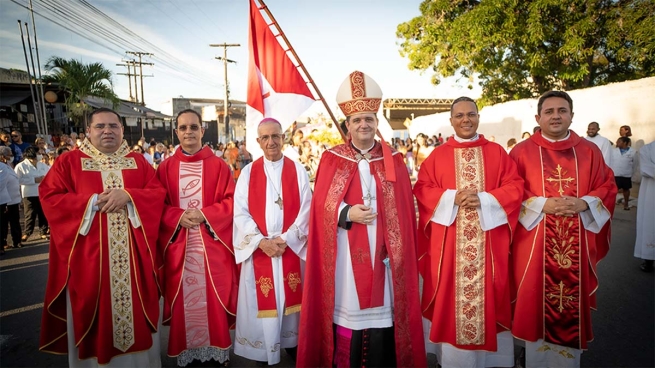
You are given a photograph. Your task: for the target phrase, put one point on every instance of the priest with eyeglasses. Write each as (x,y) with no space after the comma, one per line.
(271,220)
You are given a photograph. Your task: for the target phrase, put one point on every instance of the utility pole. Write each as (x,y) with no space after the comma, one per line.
(226,117)
(129,78)
(29,75)
(141,64)
(38,63)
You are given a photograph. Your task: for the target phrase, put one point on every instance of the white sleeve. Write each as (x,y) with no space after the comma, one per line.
(246,236)
(491,213)
(89,214)
(446,210)
(296,235)
(531,212)
(596,216)
(131,214)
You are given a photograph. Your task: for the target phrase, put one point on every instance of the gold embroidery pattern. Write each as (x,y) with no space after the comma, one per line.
(524,208)
(558,180)
(561,296)
(254,344)
(564,352)
(293,279)
(563,243)
(265,284)
(246,239)
(120,283)
(470,253)
(357,85)
(361,105)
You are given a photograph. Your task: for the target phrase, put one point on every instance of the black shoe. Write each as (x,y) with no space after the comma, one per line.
(647,266)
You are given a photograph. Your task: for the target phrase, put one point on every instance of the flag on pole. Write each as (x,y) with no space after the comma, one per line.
(275,87)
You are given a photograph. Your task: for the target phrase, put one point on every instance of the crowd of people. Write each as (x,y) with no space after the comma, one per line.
(507,248)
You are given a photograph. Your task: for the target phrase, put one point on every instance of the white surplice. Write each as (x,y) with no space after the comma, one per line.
(645,243)
(262,338)
(604,145)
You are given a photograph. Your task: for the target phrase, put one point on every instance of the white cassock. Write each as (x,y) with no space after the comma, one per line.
(262,338)
(491,215)
(604,145)
(347,312)
(645,243)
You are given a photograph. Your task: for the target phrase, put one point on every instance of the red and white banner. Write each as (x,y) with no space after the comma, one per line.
(275,87)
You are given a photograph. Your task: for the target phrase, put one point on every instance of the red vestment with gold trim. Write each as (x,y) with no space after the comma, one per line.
(85,266)
(221,270)
(554,274)
(466,270)
(396,216)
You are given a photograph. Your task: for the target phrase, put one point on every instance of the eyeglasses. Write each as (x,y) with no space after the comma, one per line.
(470,115)
(275,137)
(14,136)
(183,128)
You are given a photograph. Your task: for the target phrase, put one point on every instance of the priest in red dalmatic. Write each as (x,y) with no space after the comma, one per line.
(564,233)
(104,205)
(199,273)
(469,196)
(360,303)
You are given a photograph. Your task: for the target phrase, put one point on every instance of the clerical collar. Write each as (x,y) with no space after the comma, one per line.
(568,135)
(464,140)
(187,153)
(362,151)
(273,163)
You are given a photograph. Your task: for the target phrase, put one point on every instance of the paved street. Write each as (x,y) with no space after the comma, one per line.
(624,325)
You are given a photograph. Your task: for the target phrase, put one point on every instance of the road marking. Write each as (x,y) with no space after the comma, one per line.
(21,310)
(20,268)
(26,259)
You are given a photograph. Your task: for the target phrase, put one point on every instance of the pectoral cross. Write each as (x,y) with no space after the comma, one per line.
(368,199)
(279,201)
(558,179)
(563,299)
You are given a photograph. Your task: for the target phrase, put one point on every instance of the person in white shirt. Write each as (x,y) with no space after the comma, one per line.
(603,143)
(622,163)
(31,172)
(10,217)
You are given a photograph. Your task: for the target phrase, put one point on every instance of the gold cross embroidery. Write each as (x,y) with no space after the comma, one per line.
(559,172)
(560,292)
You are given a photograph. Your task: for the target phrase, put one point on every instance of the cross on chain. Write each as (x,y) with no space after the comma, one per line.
(559,179)
(563,299)
(279,201)
(368,199)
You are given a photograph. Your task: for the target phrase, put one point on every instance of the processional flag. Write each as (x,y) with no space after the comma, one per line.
(275,87)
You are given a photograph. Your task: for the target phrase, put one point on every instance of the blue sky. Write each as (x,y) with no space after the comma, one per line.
(332,38)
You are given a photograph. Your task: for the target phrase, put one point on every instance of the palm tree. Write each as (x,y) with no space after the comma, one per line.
(80,80)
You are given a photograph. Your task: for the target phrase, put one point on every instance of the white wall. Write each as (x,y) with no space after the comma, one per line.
(627,103)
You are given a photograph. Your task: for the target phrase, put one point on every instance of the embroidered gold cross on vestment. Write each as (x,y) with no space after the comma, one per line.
(564,300)
(558,179)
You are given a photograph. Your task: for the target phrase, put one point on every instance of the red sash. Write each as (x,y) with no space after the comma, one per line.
(369,278)
(561,255)
(290,261)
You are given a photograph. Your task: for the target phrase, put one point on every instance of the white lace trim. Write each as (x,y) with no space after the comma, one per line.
(300,236)
(203,354)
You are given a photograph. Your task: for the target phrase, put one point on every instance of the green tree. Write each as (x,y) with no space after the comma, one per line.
(80,80)
(522,48)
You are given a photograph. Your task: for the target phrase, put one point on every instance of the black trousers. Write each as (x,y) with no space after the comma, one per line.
(10,218)
(372,347)
(32,208)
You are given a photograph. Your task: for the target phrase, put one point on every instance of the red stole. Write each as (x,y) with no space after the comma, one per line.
(561,252)
(369,278)
(290,261)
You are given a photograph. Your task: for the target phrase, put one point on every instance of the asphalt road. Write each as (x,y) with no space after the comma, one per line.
(624,324)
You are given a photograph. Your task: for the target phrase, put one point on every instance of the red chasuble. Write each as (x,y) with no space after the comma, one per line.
(263,267)
(396,217)
(221,270)
(466,312)
(113,257)
(554,264)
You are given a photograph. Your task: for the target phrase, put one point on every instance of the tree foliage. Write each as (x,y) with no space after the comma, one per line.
(80,80)
(522,48)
